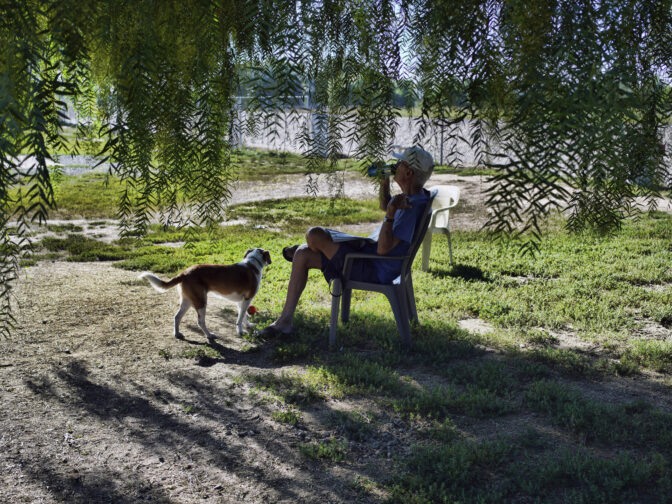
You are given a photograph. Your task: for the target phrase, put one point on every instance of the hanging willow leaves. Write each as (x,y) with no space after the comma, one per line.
(567,101)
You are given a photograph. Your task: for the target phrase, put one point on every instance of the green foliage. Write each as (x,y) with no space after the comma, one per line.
(512,469)
(355,425)
(633,424)
(298,214)
(564,101)
(333,449)
(290,417)
(81,248)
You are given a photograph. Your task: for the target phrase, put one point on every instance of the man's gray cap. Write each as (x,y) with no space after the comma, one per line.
(420,161)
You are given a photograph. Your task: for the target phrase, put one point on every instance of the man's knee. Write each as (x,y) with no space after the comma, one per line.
(302,255)
(315,236)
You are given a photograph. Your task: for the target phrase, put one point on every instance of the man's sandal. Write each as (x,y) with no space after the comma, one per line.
(272,332)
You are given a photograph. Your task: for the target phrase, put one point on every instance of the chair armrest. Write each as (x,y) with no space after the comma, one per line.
(435,210)
(347,264)
(359,255)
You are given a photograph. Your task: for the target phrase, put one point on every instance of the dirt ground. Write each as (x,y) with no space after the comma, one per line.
(94,410)
(97,405)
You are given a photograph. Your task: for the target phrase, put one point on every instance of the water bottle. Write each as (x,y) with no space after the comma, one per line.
(378,170)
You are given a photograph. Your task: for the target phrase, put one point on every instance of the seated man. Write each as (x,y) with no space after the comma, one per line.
(326,249)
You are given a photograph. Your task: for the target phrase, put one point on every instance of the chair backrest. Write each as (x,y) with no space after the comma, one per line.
(419,234)
(447,196)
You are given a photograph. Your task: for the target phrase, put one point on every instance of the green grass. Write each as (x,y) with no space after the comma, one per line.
(634,424)
(596,288)
(260,164)
(296,215)
(67,227)
(513,415)
(355,425)
(521,469)
(288,388)
(333,449)
(97,195)
(290,417)
(86,196)
(81,248)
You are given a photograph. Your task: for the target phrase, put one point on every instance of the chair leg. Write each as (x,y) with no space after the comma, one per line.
(399,308)
(410,297)
(450,245)
(426,249)
(345,305)
(336,288)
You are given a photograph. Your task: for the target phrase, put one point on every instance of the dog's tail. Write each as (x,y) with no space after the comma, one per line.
(159,284)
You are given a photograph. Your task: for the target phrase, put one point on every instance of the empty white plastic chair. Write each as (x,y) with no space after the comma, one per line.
(446,198)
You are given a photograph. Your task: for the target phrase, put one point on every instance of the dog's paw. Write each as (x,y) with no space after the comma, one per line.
(211,338)
(179,335)
(249,325)
(240,330)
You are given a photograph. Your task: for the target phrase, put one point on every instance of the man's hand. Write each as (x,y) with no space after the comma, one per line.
(397,203)
(386,240)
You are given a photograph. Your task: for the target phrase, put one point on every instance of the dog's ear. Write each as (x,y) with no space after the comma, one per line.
(267,256)
(247,253)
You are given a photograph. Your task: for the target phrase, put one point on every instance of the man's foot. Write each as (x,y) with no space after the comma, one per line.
(288,252)
(273,331)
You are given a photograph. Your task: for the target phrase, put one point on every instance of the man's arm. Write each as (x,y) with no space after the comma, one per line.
(384,193)
(386,239)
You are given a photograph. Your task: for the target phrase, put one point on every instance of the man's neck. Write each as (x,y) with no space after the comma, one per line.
(410,191)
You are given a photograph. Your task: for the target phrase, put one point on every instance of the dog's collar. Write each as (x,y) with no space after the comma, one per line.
(259,264)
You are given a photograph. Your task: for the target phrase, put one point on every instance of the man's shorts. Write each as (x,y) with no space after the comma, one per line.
(362,269)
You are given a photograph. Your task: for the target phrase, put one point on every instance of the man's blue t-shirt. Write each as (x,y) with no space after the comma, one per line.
(405,222)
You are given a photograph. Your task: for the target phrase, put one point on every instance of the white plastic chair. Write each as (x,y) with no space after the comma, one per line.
(446,198)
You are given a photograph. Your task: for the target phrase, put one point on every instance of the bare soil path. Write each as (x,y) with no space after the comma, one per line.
(98,405)
(470,214)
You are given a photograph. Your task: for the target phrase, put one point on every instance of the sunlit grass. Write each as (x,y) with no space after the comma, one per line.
(596,288)
(87,196)
(296,215)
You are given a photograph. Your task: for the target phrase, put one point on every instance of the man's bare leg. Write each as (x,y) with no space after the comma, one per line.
(306,257)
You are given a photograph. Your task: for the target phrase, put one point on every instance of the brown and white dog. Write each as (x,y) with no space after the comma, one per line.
(236,282)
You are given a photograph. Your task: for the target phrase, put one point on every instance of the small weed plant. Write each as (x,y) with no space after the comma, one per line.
(332,449)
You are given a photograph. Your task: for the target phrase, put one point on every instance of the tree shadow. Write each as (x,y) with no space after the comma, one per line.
(463,271)
(88,487)
(370,361)
(255,357)
(220,437)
